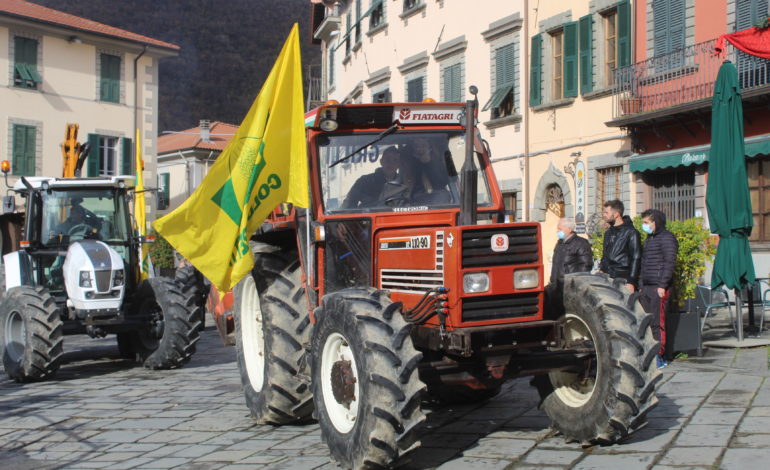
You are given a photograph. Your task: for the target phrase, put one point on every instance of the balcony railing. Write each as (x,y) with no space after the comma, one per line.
(314,90)
(683,77)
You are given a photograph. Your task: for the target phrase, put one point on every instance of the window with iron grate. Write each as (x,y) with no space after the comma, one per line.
(672,192)
(609,185)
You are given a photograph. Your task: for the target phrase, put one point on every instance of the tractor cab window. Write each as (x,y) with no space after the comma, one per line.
(74,215)
(402,172)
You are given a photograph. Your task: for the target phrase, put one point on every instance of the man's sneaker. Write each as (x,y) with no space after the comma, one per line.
(661,361)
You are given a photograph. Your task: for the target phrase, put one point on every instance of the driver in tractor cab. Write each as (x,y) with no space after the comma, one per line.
(77,216)
(367,189)
(76,226)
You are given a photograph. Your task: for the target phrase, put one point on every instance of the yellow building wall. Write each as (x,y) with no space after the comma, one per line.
(69,93)
(561,135)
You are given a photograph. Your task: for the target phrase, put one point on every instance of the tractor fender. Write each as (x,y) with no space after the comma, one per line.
(18,269)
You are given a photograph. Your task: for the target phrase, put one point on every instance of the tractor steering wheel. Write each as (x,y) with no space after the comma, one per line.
(79,231)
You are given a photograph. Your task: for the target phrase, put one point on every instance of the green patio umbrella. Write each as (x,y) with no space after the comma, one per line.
(727,193)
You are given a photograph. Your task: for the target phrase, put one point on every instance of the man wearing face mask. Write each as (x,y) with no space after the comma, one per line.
(571,255)
(658,262)
(622,248)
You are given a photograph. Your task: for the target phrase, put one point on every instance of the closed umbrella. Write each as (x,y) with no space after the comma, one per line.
(727,193)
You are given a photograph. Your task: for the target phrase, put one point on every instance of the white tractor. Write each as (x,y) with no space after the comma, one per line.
(72,267)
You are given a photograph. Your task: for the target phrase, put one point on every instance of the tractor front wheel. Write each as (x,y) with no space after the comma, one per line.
(32,334)
(272,326)
(366,386)
(606,395)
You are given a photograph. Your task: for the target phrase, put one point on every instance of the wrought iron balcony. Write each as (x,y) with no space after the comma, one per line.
(681,81)
(313,87)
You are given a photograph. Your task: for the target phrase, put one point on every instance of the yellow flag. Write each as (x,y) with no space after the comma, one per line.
(140,212)
(265,164)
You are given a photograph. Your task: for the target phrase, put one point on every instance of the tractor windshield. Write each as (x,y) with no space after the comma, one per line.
(69,215)
(405,171)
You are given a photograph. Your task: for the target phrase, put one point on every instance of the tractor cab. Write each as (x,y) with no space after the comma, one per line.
(62,213)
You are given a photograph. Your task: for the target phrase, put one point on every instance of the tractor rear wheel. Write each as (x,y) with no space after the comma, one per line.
(32,333)
(272,327)
(169,339)
(196,290)
(610,393)
(365,382)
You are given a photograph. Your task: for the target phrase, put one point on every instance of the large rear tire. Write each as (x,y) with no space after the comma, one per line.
(611,394)
(195,288)
(169,339)
(32,334)
(365,381)
(272,327)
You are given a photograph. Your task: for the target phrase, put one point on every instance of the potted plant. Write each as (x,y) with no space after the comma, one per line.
(162,255)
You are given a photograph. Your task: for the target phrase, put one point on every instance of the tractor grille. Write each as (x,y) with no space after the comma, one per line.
(495,307)
(477,248)
(103,280)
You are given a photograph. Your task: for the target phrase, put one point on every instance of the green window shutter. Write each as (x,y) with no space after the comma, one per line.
(676,23)
(452,84)
(92,161)
(19,144)
(624,34)
(749,12)
(110,78)
(661,43)
(414,89)
(570,60)
(586,49)
(349,20)
(29,151)
(759,13)
(23,158)
(25,61)
(126,145)
(535,91)
(504,66)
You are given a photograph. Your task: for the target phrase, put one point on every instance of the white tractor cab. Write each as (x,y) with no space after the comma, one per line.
(76,270)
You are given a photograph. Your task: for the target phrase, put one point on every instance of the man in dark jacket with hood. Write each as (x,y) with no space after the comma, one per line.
(622,250)
(658,262)
(572,255)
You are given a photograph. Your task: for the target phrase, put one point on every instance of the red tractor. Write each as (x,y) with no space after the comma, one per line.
(402,282)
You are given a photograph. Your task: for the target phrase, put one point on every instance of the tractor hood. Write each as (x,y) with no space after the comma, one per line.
(94,276)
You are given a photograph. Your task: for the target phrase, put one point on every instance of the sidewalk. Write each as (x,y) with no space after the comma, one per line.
(101,412)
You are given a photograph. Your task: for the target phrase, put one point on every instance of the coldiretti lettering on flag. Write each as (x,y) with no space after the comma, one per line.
(264,164)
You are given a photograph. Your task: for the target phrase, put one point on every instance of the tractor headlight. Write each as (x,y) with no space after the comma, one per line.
(117,277)
(525,279)
(475,282)
(85,279)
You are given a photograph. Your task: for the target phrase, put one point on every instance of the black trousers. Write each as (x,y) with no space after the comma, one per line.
(656,306)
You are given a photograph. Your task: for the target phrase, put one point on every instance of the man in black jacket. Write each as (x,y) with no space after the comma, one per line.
(367,189)
(622,250)
(658,262)
(572,255)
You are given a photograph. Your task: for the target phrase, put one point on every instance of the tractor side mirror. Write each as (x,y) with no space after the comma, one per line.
(9,204)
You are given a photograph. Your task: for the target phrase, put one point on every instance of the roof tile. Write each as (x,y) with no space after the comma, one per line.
(39,13)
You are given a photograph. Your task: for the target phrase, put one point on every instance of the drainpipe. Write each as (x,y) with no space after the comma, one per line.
(136,98)
(525,209)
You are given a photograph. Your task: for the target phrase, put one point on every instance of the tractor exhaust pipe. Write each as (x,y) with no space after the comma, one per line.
(469,172)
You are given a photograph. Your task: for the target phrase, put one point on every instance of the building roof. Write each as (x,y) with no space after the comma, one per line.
(190,139)
(40,14)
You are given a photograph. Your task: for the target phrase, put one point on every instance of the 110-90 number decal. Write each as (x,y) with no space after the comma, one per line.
(420,242)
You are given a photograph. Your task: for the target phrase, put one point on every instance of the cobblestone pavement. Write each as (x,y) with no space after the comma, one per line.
(102,412)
